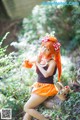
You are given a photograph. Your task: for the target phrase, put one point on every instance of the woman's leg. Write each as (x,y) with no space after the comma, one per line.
(33,102)
(27,117)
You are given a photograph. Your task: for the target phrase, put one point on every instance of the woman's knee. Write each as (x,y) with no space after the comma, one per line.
(26,107)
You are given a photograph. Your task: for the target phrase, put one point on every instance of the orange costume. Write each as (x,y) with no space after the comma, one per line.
(45,86)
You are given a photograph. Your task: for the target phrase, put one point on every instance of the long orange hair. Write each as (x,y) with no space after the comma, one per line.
(49,42)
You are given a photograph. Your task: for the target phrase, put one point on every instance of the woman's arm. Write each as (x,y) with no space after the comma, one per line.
(49,71)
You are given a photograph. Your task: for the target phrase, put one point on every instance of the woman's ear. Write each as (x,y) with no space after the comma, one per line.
(59,85)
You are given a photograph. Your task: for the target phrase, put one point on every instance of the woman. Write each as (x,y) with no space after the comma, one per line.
(46,64)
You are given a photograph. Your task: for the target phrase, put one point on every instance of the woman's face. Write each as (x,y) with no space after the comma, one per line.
(45,51)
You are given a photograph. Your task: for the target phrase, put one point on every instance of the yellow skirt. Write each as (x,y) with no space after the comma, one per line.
(44,89)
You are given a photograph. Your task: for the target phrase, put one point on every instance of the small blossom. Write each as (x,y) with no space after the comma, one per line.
(56,46)
(45,39)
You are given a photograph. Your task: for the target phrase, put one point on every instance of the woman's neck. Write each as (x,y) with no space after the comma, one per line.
(47,58)
(45,61)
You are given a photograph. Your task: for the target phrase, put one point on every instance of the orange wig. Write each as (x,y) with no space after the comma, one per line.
(52,43)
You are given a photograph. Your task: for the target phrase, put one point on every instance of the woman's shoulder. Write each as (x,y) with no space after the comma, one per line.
(52,62)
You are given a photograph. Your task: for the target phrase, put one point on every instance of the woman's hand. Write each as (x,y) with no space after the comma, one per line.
(38,59)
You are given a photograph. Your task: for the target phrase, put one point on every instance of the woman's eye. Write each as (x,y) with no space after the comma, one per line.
(48,49)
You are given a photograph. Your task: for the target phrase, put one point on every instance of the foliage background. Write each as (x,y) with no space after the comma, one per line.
(15,81)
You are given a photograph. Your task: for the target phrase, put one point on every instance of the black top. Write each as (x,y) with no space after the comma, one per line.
(42,79)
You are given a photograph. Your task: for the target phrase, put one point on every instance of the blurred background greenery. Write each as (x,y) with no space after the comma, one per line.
(22,24)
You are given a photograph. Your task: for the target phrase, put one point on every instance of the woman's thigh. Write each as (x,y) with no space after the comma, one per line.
(34,101)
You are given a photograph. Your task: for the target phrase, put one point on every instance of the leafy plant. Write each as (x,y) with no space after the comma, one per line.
(72,107)
(15,80)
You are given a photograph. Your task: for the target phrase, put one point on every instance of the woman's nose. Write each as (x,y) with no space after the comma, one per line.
(43,49)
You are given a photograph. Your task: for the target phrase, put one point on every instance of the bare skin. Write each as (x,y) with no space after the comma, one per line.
(32,103)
